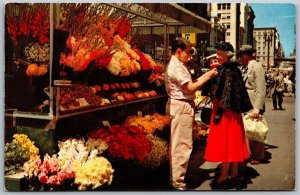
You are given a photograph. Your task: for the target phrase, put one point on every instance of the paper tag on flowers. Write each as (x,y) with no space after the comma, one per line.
(82,101)
(105,123)
(139,113)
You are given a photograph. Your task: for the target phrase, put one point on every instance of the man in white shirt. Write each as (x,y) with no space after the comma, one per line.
(180,107)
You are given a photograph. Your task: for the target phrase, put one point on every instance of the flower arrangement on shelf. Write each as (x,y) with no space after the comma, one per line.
(124,142)
(149,123)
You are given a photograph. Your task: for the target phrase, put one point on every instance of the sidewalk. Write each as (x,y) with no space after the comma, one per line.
(278,173)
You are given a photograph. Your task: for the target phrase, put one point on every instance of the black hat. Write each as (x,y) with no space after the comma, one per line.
(246,49)
(224,46)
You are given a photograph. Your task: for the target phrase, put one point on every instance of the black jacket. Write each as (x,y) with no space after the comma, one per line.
(229,88)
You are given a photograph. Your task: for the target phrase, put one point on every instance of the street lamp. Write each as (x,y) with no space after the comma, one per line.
(268,42)
(203,48)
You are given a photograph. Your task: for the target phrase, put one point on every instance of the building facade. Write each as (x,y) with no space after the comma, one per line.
(267,45)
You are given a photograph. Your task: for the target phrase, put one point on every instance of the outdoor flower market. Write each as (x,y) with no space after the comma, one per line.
(85,97)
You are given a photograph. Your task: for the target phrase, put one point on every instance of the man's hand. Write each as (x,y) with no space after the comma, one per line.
(255,113)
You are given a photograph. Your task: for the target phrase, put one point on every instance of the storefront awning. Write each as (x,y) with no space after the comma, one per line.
(180,14)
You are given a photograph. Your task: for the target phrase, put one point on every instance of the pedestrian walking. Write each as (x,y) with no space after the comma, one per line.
(226,141)
(255,82)
(277,89)
(180,107)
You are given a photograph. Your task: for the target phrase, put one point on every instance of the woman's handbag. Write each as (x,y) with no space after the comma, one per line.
(256,129)
(279,89)
(205,108)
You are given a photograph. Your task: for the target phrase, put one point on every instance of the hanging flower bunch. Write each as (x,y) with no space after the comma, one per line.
(158,154)
(51,173)
(35,70)
(123,27)
(14,157)
(81,54)
(29,24)
(125,141)
(122,65)
(93,173)
(27,144)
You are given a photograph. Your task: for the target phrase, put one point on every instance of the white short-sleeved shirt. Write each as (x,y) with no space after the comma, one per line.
(176,75)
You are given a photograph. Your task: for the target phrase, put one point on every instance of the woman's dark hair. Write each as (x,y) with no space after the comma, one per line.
(180,43)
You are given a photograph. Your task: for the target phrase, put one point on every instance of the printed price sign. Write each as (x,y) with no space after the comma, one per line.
(105,123)
(82,101)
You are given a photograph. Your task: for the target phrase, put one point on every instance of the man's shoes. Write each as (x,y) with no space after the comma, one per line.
(254,162)
(274,109)
(224,185)
(281,108)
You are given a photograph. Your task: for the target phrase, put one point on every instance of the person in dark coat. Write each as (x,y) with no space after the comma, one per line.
(226,141)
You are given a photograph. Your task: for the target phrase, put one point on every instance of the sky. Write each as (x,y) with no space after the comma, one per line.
(281,16)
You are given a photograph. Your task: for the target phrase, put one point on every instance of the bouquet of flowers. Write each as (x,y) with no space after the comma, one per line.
(94,172)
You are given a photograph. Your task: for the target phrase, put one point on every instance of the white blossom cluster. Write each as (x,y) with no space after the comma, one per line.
(35,52)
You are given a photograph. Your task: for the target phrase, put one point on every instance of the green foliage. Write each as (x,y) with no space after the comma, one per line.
(14,157)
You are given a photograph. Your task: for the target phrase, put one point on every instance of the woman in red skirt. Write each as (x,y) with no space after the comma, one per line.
(226,140)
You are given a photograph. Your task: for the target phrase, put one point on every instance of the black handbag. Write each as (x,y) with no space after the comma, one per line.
(205,109)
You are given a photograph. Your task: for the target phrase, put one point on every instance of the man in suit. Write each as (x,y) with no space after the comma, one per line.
(278,79)
(255,82)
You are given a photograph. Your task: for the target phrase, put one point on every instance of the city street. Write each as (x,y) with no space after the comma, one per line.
(277,173)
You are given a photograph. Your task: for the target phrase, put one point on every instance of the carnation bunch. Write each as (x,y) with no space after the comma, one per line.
(51,173)
(124,142)
(93,173)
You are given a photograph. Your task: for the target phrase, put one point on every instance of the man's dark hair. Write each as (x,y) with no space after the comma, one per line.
(180,43)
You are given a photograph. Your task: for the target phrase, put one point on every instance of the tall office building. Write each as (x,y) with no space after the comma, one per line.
(267,44)
(237,18)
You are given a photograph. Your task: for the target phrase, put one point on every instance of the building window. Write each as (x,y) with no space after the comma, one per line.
(258,38)
(219,6)
(227,34)
(228,26)
(258,33)
(259,53)
(219,15)
(258,48)
(228,17)
(228,5)
(223,5)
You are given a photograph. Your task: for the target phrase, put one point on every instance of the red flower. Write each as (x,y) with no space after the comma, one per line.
(123,27)
(144,62)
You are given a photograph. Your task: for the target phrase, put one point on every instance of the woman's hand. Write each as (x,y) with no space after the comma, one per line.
(212,73)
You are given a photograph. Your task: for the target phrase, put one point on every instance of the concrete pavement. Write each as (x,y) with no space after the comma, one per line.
(277,173)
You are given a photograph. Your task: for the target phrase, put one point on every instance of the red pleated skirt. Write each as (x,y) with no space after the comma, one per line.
(226,141)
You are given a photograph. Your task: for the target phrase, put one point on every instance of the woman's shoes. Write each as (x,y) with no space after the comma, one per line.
(254,162)
(224,185)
